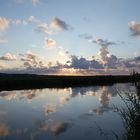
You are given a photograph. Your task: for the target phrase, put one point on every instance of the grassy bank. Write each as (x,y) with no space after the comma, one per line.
(29,81)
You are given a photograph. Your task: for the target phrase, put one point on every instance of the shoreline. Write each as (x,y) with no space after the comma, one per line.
(32,81)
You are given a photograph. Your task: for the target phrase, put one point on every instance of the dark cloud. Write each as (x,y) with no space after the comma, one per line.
(60,24)
(103,43)
(83,63)
(31,60)
(79,63)
(85,36)
(137,58)
(99,41)
(95,64)
(132,62)
(134,28)
(107,63)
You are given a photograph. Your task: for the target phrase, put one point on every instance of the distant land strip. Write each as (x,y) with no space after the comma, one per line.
(31,81)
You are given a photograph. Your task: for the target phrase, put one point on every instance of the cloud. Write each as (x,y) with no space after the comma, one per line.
(19,22)
(99,41)
(83,63)
(103,54)
(4,23)
(32,19)
(103,43)
(31,60)
(63,55)
(86,36)
(8,57)
(112,60)
(106,58)
(134,28)
(43,27)
(35,2)
(137,58)
(60,24)
(131,62)
(49,43)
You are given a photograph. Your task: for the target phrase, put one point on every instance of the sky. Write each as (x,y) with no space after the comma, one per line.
(69,36)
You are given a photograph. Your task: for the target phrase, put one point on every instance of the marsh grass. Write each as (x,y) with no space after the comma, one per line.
(131,115)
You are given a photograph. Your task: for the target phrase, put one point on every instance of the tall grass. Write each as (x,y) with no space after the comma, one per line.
(131,115)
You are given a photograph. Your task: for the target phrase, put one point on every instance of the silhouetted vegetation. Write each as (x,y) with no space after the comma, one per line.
(30,81)
(131,114)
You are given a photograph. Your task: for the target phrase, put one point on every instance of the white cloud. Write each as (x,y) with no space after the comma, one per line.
(43,27)
(49,43)
(106,58)
(8,57)
(19,22)
(134,28)
(4,23)
(103,54)
(32,19)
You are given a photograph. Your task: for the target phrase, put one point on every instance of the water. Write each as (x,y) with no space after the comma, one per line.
(63,114)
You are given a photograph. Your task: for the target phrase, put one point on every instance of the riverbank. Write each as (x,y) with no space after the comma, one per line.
(30,81)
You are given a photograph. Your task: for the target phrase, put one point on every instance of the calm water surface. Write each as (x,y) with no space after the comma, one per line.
(62,114)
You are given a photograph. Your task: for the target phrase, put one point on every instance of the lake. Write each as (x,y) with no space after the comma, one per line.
(63,114)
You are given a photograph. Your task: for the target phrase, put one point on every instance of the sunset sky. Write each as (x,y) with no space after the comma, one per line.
(69,36)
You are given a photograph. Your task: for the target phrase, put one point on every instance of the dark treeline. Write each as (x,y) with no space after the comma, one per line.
(31,81)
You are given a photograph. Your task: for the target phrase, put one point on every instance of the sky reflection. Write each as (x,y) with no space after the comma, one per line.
(61,113)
